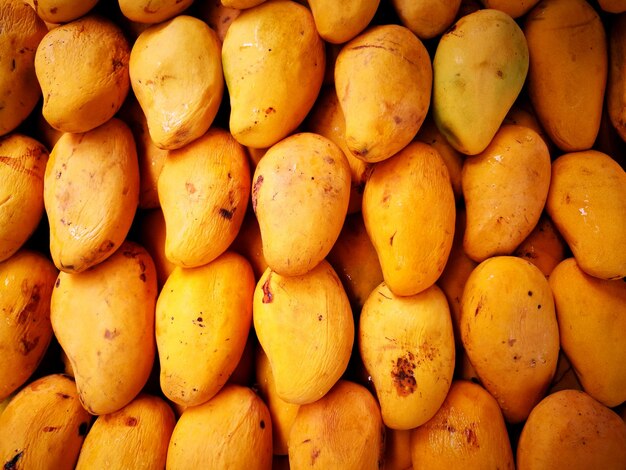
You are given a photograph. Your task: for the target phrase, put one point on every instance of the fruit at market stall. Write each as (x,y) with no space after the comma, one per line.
(91,188)
(103,319)
(82,68)
(22,30)
(43,426)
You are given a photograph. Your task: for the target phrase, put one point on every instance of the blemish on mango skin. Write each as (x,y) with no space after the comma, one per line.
(402,374)
(255,191)
(268,296)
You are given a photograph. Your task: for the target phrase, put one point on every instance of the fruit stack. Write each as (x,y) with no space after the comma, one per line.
(355,234)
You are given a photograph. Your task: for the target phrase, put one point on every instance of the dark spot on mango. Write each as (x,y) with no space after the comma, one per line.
(315,453)
(478,307)
(106,246)
(58,283)
(255,191)
(111,334)
(142,276)
(267,293)
(539,307)
(499,73)
(470,437)
(391,238)
(27,346)
(82,429)
(12,464)
(12,65)
(262,424)
(530,293)
(50,428)
(270,110)
(402,374)
(190,187)
(397,119)
(320,318)
(64,396)
(131,421)
(227,214)
(53,10)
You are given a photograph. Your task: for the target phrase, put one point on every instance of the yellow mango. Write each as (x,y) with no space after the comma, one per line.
(283,413)
(567,36)
(427,18)
(326,119)
(338,22)
(22,167)
(616,85)
(91,189)
(26,283)
(249,245)
(232,430)
(397,449)
(407,347)
(513,8)
(587,203)
(510,332)
(300,194)
(592,318)
(62,11)
(479,69)
(341,430)
(505,189)
(151,235)
(22,30)
(217,16)
(409,213)
(151,158)
(304,324)
(137,436)
(544,247)
(523,115)
(383,115)
(203,317)
(82,67)
(103,319)
(569,429)
(43,427)
(204,189)
(467,432)
(354,259)
(274,63)
(176,74)
(152,11)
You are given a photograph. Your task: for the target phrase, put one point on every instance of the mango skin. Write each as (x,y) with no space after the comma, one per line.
(305,326)
(43,426)
(91,190)
(62,11)
(103,319)
(587,203)
(151,11)
(22,30)
(343,430)
(406,195)
(338,22)
(616,85)
(407,347)
(513,8)
(479,69)
(510,332)
(273,61)
(569,429)
(383,116)
(21,194)
(567,36)
(26,283)
(544,247)
(427,18)
(467,429)
(232,430)
(137,436)
(591,315)
(203,316)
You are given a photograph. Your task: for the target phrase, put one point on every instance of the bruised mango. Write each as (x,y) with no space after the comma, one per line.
(304,324)
(103,319)
(407,347)
(91,189)
(43,426)
(203,317)
(338,22)
(383,116)
(26,283)
(409,213)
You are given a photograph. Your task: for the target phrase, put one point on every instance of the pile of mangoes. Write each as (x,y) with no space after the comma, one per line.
(358,234)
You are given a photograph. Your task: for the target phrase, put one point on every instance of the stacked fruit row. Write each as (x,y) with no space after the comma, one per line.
(353,234)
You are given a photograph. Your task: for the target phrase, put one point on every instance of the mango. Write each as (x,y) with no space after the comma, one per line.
(241,4)
(587,203)
(304,324)
(21,194)
(62,11)
(43,426)
(152,11)
(232,430)
(338,22)
(616,84)
(203,317)
(273,61)
(569,429)
(176,74)
(590,313)
(544,247)
(217,16)
(103,319)
(300,182)
(22,30)
(513,8)
(409,213)
(427,18)
(383,116)
(613,6)
(568,36)
(407,347)
(82,67)
(510,332)
(341,430)
(26,283)
(91,188)
(479,68)
(203,189)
